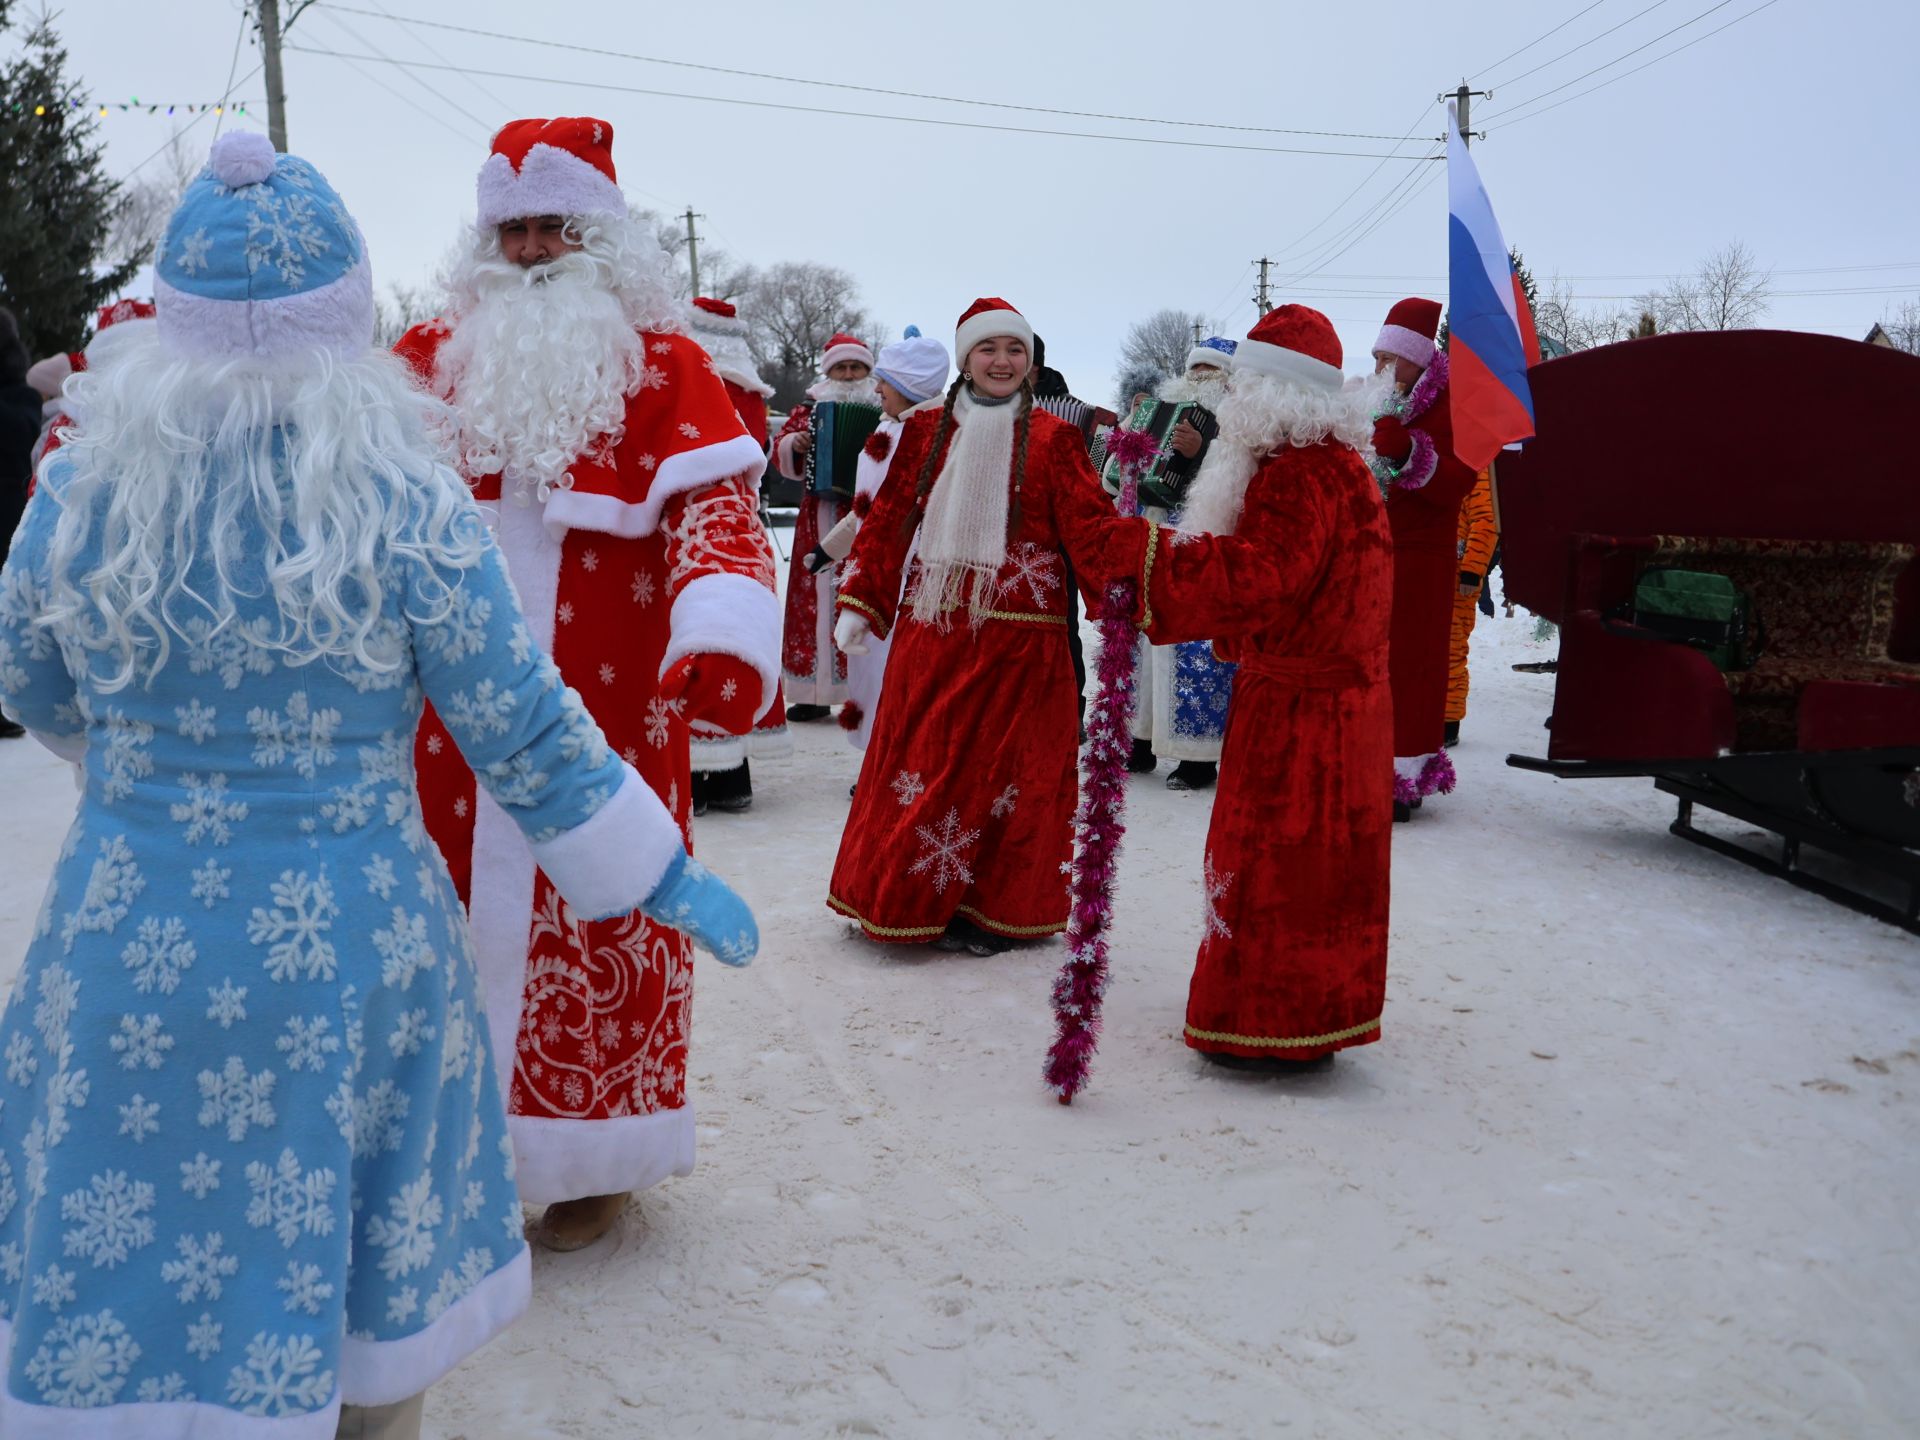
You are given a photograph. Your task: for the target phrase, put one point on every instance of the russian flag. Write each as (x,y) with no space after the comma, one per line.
(1492,338)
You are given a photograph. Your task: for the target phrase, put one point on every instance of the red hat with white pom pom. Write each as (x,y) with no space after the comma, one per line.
(1293,343)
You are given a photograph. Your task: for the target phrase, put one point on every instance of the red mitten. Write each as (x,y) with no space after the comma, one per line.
(714,693)
(1391,439)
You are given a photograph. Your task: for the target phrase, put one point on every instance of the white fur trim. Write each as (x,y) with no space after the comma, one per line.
(1260,358)
(550,181)
(566,1159)
(726,614)
(371,1373)
(834,354)
(783,459)
(1406,344)
(746,379)
(48,375)
(689,470)
(1207,355)
(610,864)
(115,338)
(986,325)
(385,1372)
(337,317)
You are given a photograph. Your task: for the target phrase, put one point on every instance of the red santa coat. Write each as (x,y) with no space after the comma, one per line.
(1293,956)
(1425,525)
(813,672)
(966,798)
(655,552)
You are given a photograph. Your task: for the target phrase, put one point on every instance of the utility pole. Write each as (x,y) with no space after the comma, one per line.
(1262,301)
(1199,331)
(276,90)
(693,248)
(1463,101)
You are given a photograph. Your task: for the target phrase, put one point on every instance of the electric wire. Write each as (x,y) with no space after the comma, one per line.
(1538,38)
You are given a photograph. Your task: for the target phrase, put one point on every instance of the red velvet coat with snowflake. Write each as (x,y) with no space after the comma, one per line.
(1426,525)
(966,798)
(1293,954)
(812,670)
(653,553)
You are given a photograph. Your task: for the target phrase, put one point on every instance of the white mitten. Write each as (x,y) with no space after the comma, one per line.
(850,633)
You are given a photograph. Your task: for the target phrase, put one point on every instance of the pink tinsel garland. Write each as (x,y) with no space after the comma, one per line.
(1100,823)
(1425,457)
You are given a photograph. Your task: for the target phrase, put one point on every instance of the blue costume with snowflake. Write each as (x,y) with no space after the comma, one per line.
(253,1158)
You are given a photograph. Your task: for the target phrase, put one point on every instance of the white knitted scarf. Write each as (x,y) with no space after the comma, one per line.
(964,534)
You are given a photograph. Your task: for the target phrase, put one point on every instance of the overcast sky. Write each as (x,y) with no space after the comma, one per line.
(1792,131)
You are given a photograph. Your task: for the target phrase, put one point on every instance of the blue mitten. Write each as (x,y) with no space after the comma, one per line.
(691,898)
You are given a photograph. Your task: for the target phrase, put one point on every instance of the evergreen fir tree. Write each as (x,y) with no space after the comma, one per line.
(56,198)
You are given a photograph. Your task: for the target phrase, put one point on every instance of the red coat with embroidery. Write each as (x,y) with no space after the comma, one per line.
(653,551)
(812,670)
(1425,524)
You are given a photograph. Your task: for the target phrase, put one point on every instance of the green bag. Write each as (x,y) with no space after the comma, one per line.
(1701,609)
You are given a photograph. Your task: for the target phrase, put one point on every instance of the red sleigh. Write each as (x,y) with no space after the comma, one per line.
(1783,461)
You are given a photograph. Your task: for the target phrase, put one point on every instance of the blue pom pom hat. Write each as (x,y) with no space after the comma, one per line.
(1215,350)
(262,261)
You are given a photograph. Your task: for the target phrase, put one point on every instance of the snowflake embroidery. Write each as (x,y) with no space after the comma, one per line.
(658,724)
(410,1032)
(280,1377)
(606,674)
(689,429)
(1003,807)
(908,787)
(164,1389)
(402,1305)
(141,1042)
(139,1118)
(590,560)
(462,631)
(111,1218)
(460,808)
(295,928)
(22,1063)
(84,1361)
(210,883)
(652,377)
(1030,566)
(234,653)
(1216,883)
(227,1004)
(304,1289)
(199,1175)
(207,813)
(196,721)
(380,877)
(302,737)
(642,588)
(203,1338)
(945,859)
(404,949)
(201,1269)
(564,612)
(370,1122)
(646,462)
(307,1043)
(125,757)
(237,1098)
(406,1234)
(435,745)
(54,1288)
(487,710)
(112,886)
(158,956)
(194,250)
(290,1200)
(455,1284)
(59,993)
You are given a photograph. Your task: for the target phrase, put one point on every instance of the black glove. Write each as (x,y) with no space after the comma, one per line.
(817,560)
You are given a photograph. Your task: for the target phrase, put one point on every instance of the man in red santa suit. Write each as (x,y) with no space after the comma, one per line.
(814,671)
(622,487)
(1424,483)
(722,764)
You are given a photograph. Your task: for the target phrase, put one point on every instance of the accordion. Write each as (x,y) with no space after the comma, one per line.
(837,429)
(1164,483)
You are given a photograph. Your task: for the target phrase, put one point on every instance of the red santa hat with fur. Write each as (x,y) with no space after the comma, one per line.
(549,167)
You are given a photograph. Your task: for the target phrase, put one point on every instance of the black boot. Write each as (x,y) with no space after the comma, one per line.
(1450,737)
(11,729)
(1271,1064)
(1402,812)
(731,790)
(1143,760)
(1193,775)
(800,714)
(963,934)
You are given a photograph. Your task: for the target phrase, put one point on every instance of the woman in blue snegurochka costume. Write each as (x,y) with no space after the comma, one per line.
(254,1169)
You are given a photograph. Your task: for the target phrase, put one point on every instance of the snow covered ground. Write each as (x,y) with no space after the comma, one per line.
(1636,1156)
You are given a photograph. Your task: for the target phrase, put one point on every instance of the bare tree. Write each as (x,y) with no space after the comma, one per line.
(1728,292)
(1161,340)
(1902,326)
(399,310)
(791,310)
(1565,324)
(148,201)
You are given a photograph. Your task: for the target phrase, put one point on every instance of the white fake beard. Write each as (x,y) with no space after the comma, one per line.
(539,370)
(1259,415)
(964,532)
(1205,390)
(864,391)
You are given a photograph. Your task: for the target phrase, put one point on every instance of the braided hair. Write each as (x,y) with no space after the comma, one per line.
(930,466)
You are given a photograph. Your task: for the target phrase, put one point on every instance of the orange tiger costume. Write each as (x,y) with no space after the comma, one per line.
(1478,536)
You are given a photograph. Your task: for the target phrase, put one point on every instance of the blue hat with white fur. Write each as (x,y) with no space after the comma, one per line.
(261,260)
(1215,350)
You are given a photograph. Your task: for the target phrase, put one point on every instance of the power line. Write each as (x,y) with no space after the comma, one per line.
(1293,246)
(450,102)
(189,126)
(438,54)
(852,114)
(1357,229)
(1538,38)
(1564,84)
(411,103)
(841,84)
(1545,64)
(233,64)
(1665,55)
